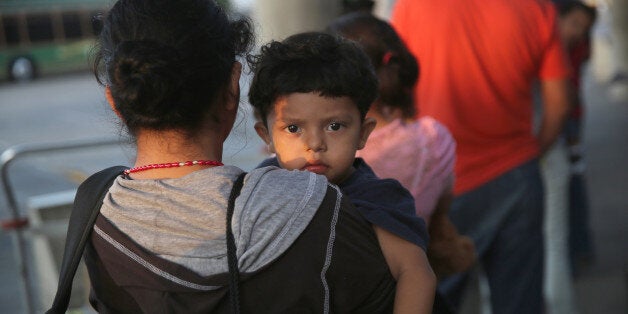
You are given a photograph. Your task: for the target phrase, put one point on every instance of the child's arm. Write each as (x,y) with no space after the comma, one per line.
(416,282)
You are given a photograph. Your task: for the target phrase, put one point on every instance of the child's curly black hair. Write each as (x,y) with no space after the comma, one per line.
(311,62)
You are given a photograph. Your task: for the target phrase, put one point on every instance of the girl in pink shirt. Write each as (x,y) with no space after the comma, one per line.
(420,154)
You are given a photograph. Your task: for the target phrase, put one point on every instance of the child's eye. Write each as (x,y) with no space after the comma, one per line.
(292,128)
(335,126)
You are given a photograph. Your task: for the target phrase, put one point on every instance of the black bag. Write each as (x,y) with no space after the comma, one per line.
(85,210)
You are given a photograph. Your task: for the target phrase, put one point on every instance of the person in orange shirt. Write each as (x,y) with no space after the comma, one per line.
(565,195)
(576,21)
(479,61)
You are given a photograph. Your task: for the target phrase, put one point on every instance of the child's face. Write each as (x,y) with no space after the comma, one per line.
(315,133)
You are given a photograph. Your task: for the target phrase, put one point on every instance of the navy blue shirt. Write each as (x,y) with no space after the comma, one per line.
(383,202)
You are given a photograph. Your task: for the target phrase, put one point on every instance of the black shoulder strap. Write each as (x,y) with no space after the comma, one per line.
(234,286)
(86,208)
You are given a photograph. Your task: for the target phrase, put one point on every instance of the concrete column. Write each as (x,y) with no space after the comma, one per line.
(383,9)
(610,39)
(619,32)
(278,19)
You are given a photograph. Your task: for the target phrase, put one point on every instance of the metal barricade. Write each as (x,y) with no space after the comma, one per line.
(19,223)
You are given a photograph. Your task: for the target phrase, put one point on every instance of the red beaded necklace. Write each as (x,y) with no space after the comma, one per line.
(173,165)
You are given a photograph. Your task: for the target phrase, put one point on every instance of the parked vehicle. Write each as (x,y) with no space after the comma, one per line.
(39,37)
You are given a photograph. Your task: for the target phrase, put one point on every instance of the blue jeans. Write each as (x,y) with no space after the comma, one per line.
(580,236)
(504,217)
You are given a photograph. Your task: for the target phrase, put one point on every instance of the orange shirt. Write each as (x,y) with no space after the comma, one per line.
(479,59)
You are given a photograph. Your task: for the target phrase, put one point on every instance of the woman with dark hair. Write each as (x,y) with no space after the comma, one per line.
(173,236)
(562,170)
(576,20)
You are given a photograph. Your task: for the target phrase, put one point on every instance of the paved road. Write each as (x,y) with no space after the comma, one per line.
(602,287)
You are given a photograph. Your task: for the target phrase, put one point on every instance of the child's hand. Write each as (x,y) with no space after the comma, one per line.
(451,255)
(449,252)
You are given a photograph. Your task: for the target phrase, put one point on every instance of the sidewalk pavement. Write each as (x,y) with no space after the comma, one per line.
(601,286)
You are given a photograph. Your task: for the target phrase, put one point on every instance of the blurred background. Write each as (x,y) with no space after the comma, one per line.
(56,129)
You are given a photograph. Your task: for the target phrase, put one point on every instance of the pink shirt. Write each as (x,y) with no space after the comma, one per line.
(420,155)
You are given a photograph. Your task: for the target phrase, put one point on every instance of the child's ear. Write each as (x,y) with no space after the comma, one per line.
(263,133)
(367,127)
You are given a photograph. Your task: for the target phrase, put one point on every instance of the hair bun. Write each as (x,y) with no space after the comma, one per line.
(146,77)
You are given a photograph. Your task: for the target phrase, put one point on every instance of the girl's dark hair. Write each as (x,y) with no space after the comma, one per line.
(397,68)
(358,6)
(168,63)
(311,62)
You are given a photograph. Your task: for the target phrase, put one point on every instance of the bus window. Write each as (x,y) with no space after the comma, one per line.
(11,30)
(40,37)
(72,25)
(39,28)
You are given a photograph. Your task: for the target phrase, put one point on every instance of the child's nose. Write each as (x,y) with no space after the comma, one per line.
(315,141)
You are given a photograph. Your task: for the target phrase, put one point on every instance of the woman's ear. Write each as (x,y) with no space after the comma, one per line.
(234,86)
(111,102)
(367,127)
(264,134)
